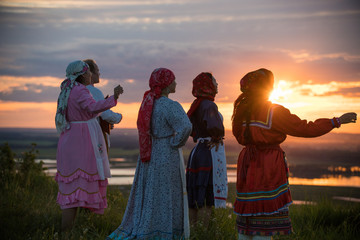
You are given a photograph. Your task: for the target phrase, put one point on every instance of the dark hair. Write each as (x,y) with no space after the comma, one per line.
(80,79)
(247,101)
(91,64)
(243,108)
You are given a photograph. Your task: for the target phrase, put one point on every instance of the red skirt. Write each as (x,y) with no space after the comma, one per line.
(262,181)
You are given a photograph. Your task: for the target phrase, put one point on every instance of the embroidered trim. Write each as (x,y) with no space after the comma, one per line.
(264,195)
(220,198)
(79,188)
(264,213)
(79,169)
(258,123)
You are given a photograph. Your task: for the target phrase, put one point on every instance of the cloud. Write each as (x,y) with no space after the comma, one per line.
(81,4)
(9,83)
(353,92)
(344,89)
(301,56)
(31,93)
(129,39)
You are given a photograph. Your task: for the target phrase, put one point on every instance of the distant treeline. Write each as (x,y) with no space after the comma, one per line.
(333,149)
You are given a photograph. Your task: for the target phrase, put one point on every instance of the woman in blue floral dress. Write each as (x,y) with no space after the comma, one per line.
(155,208)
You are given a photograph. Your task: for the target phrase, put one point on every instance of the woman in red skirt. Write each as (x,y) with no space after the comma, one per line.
(263,194)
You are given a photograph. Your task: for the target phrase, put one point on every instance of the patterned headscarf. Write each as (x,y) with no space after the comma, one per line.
(73,70)
(160,78)
(261,80)
(203,88)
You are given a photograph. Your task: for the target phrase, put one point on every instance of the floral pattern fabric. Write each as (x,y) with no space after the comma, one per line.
(159,79)
(155,206)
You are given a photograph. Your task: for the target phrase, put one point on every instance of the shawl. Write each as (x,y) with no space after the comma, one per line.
(73,70)
(160,78)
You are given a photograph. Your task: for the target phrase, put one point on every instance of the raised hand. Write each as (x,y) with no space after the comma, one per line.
(117,91)
(348,118)
(212,144)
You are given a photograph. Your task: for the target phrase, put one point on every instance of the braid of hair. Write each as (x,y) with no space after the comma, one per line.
(237,116)
(243,107)
(247,133)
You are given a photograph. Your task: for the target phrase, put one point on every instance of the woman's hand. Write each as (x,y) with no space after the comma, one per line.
(117,91)
(348,118)
(212,144)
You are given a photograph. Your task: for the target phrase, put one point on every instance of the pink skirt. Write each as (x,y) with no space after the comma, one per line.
(81,179)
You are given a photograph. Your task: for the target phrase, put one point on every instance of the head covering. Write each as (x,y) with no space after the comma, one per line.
(73,70)
(256,87)
(203,88)
(261,80)
(160,78)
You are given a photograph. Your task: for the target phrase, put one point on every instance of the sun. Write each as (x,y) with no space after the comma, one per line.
(276,95)
(280,92)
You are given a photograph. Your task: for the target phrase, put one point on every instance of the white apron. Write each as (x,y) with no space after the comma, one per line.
(185,197)
(99,146)
(220,182)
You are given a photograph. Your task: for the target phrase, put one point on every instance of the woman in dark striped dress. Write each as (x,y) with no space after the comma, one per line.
(206,177)
(263,194)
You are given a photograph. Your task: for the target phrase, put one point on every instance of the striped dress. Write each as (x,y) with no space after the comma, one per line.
(263,194)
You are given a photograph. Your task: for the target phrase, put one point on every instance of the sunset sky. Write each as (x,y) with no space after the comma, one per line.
(312,47)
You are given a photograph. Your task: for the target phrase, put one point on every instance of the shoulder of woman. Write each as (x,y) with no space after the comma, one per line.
(279,109)
(80,88)
(172,103)
(207,105)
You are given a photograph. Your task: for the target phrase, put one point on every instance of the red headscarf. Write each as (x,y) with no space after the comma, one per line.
(160,78)
(203,88)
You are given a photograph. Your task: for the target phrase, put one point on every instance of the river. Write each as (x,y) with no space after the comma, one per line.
(123,174)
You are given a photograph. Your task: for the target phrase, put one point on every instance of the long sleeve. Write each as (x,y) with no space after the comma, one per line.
(290,124)
(87,102)
(181,124)
(108,115)
(213,121)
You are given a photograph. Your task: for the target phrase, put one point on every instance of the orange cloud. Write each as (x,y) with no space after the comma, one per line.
(10,82)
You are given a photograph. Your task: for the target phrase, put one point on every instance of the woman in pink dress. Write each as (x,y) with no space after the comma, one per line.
(82,161)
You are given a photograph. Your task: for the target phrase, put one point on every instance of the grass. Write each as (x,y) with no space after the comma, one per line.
(29,210)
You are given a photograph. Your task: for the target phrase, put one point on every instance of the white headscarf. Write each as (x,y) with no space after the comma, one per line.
(73,70)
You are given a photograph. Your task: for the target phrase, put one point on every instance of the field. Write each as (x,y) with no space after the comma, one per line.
(29,210)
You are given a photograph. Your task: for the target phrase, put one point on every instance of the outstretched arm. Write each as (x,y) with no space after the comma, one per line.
(290,124)
(349,117)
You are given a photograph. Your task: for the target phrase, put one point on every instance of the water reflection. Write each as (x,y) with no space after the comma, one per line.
(123,174)
(340,181)
(121,180)
(353,181)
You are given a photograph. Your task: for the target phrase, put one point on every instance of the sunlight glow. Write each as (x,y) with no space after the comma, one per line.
(281,92)
(353,181)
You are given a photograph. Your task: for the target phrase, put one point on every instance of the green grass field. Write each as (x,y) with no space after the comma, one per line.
(29,210)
